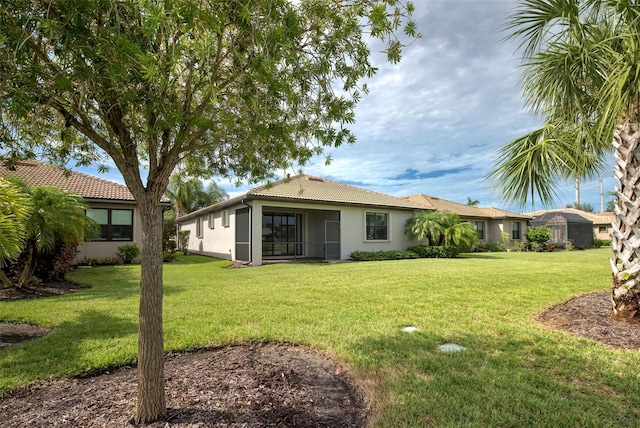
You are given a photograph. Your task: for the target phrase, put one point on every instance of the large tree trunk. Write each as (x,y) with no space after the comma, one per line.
(625,239)
(151,395)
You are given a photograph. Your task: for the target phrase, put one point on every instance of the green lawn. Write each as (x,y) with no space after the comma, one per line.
(514,372)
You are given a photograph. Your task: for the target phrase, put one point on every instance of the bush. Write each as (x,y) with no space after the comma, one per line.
(597,243)
(49,266)
(128,252)
(169,256)
(367,256)
(183,241)
(493,247)
(435,252)
(540,234)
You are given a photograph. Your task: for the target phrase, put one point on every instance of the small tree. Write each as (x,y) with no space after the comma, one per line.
(440,228)
(58,219)
(183,241)
(538,234)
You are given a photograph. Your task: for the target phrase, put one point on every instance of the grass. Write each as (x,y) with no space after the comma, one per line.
(514,372)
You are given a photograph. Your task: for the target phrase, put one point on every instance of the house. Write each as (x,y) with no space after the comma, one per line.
(301,217)
(489,222)
(602,223)
(112,205)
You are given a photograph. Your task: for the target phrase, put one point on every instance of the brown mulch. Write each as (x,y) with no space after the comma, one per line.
(38,291)
(245,385)
(249,385)
(587,316)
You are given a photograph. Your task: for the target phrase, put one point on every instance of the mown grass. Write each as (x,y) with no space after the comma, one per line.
(514,372)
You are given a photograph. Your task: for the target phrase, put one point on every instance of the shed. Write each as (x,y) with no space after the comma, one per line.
(566,227)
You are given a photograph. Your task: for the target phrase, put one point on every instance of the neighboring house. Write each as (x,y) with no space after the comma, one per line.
(112,205)
(299,217)
(602,222)
(489,222)
(566,227)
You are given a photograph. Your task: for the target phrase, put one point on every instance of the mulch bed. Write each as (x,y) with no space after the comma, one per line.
(587,316)
(247,385)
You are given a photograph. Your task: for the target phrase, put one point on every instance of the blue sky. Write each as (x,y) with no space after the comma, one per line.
(432,123)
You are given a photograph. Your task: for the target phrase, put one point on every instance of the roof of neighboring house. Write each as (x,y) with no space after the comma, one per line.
(36,173)
(463,210)
(310,189)
(604,218)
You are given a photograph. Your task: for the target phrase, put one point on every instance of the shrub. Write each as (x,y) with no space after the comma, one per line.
(597,243)
(539,234)
(128,252)
(50,266)
(435,252)
(183,241)
(169,256)
(367,256)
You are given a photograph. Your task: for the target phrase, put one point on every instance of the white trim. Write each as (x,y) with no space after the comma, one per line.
(388,214)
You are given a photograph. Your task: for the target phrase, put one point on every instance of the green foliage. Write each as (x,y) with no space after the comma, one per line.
(491,246)
(15,209)
(368,256)
(440,228)
(538,234)
(128,252)
(598,243)
(169,229)
(183,241)
(569,246)
(189,194)
(435,252)
(584,206)
(53,229)
(169,256)
(579,73)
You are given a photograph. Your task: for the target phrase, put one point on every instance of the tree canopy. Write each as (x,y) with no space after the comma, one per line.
(235,88)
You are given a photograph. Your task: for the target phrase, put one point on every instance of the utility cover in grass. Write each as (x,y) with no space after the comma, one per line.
(409,329)
(450,347)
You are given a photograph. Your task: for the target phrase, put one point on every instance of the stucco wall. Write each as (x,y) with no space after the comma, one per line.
(217,242)
(100,249)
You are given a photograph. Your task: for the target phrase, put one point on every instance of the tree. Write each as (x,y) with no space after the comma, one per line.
(15,209)
(585,206)
(188,194)
(580,74)
(440,228)
(472,202)
(58,219)
(234,88)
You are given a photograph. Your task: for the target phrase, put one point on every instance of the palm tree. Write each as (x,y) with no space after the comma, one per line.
(15,208)
(58,217)
(458,233)
(188,194)
(580,74)
(425,225)
(472,202)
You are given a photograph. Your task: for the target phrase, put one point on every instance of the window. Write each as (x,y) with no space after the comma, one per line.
(602,229)
(115,225)
(225,218)
(479,225)
(281,234)
(211,221)
(377,226)
(515,230)
(199,227)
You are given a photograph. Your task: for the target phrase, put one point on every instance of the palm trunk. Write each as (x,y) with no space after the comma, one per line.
(151,394)
(625,238)
(29,267)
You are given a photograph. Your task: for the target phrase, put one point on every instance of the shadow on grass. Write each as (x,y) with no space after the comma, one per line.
(88,344)
(494,256)
(498,381)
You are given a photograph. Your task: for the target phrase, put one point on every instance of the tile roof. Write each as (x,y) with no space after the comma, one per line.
(597,218)
(463,210)
(36,173)
(307,188)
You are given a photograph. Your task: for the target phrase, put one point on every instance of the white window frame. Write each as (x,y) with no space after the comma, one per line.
(211,221)
(225,218)
(484,228)
(388,238)
(519,223)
